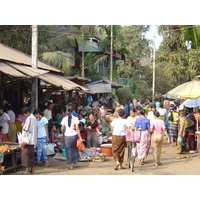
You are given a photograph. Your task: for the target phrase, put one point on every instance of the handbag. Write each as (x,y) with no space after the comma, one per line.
(23,138)
(49,149)
(157,137)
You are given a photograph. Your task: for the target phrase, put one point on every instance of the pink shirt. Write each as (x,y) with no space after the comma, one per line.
(157,125)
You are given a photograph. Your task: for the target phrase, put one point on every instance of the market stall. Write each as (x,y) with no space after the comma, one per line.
(10,156)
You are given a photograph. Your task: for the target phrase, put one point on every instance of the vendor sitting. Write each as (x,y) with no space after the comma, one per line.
(52,138)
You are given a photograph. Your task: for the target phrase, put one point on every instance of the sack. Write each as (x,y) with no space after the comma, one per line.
(157,137)
(80,146)
(22,139)
(49,149)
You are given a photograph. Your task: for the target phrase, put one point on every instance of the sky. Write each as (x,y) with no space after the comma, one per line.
(153,35)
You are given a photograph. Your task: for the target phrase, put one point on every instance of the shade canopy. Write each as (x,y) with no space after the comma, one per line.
(100,88)
(9,54)
(192,103)
(191,91)
(61,81)
(174,93)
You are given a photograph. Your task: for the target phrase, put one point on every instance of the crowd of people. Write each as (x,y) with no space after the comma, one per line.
(155,121)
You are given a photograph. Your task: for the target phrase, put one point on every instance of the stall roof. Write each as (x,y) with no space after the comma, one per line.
(61,81)
(113,84)
(6,69)
(100,88)
(10,54)
(77,78)
(27,70)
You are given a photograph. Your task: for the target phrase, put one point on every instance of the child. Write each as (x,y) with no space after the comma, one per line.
(1,134)
(52,138)
(83,132)
(100,126)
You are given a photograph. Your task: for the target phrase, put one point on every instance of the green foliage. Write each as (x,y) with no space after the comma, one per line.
(19,36)
(59,59)
(124,95)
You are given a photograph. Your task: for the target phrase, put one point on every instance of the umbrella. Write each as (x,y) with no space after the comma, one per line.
(192,103)
(191,91)
(173,94)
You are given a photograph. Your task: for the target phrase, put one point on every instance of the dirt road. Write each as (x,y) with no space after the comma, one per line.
(170,166)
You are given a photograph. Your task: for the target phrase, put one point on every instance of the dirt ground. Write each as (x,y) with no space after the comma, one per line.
(170,166)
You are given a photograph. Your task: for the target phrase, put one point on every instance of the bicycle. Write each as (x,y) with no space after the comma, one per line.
(132,154)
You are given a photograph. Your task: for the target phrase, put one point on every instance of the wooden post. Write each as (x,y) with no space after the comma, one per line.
(111,52)
(34,94)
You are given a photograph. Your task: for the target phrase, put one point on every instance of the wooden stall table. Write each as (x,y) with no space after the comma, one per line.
(11,161)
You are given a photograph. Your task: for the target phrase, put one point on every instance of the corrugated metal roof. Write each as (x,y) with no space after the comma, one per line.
(6,69)
(10,54)
(61,81)
(113,84)
(27,70)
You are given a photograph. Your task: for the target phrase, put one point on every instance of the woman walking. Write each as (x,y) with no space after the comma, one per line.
(71,133)
(143,124)
(173,129)
(157,128)
(118,125)
(30,129)
(185,123)
(42,138)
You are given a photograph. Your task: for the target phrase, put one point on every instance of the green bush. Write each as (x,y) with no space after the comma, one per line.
(124,94)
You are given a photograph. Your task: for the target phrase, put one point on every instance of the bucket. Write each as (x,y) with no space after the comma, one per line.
(106,149)
(63,152)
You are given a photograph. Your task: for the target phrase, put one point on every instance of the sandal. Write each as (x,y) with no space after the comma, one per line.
(116,167)
(75,165)
(25,173)
(178,158)
(70,167)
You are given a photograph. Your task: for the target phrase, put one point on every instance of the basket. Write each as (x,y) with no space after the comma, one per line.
(133,136)
(106,149)
(98,158)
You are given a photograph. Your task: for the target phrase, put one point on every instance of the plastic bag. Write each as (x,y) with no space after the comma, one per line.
(49,149)
(22,139)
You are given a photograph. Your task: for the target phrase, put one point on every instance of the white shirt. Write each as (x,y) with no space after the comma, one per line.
(41,127)
(30,128)
(11,115)
(150,116)
(162,111)
(48,114)
(130,122)
(69,131)
(4,122)
(119,126)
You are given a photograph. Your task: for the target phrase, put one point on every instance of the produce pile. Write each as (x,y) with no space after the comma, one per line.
(6,147)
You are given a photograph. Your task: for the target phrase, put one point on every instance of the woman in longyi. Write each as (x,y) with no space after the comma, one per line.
(185,123)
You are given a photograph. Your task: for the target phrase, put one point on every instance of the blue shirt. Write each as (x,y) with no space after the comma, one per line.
(192,128)
(41,127)
(126,109)
(142,123)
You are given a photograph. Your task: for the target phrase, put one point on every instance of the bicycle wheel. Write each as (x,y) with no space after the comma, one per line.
(132,162)
(129,154)
(132,158)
